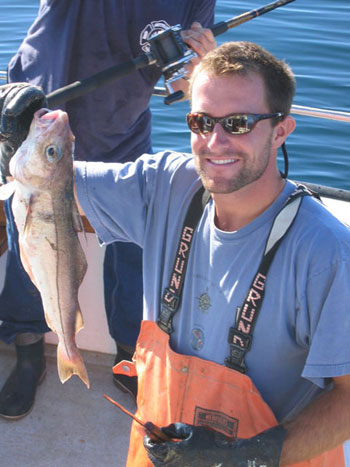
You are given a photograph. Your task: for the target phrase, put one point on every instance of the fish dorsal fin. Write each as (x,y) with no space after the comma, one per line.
(7,190)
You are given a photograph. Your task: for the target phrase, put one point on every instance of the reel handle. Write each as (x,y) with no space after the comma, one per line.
(175,96)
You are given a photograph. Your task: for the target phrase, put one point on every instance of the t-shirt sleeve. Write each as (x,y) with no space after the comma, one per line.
(327,319)
(117,198)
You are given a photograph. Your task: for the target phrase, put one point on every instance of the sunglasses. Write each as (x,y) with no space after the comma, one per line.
(236,124)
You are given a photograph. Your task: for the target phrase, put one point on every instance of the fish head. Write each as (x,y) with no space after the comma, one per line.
(46,156)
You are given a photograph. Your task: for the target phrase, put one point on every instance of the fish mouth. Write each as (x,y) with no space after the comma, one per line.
(48,121)
(48,116)
(39,113)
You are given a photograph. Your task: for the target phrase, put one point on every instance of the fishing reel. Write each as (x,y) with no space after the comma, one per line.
(171,54)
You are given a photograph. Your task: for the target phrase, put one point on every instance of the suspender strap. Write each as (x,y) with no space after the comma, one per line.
(240,336)
(172,294)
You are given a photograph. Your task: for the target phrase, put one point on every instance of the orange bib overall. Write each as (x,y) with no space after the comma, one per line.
(179,388)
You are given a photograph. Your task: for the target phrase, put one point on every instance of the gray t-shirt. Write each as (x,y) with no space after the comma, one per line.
(302,333)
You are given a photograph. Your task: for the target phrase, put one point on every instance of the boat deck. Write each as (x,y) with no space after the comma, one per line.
(69,425)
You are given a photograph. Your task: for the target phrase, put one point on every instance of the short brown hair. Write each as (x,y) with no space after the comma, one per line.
(241,58)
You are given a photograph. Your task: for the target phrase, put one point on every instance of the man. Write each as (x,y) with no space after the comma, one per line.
(236,356)
(111,124)
(307,280)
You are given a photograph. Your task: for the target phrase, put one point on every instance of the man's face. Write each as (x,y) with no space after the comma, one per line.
(225,162)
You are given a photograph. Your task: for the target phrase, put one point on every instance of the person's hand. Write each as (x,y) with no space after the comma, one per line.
(18,103)
(201,40)
(200,447)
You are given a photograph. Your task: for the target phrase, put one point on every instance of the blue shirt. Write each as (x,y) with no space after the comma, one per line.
(301,338)
(72,40)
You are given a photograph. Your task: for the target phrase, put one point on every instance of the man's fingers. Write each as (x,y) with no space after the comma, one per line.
(200,39)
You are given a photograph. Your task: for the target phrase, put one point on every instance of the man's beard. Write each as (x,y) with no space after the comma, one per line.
(246,175)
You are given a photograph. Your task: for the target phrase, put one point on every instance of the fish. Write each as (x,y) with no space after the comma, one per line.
(48,223)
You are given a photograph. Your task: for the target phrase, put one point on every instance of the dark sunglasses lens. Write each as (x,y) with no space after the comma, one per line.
(199,123)
(207,124)
(193,123)
(236,124)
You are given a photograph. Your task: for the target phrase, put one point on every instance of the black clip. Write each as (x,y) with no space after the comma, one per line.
(168,310)
(236,359)
(237,351)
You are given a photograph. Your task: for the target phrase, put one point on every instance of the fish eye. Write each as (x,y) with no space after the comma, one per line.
(53,153)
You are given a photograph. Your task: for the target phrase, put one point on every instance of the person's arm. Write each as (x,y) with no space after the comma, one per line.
(323,425)
(201,41)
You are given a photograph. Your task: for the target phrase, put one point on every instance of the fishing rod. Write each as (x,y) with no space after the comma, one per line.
(167,51)
(222,27)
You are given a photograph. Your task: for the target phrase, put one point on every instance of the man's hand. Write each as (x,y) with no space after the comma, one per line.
(18,103)
(201,40)
(199,446)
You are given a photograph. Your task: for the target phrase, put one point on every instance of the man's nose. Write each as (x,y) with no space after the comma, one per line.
(218,137)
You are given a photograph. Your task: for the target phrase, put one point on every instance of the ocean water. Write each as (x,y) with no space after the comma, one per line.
(312,37)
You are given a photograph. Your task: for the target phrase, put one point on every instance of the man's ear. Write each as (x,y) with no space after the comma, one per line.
(282,130)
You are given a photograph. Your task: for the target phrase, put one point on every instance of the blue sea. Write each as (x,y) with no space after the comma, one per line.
(313,37)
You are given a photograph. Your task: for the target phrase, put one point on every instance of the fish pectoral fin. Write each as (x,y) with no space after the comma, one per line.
(7,190)
(69,367)
(79,322)
(28,217)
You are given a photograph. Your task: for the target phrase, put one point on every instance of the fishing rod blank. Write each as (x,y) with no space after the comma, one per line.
(80,88)
(223,26)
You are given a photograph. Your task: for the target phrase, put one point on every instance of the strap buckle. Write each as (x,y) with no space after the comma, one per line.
(168,310)
(239,345)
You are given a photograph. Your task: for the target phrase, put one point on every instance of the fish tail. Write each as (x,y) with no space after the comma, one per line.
(69,367)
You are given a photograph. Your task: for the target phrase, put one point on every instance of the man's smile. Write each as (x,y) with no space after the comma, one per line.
(222,161)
